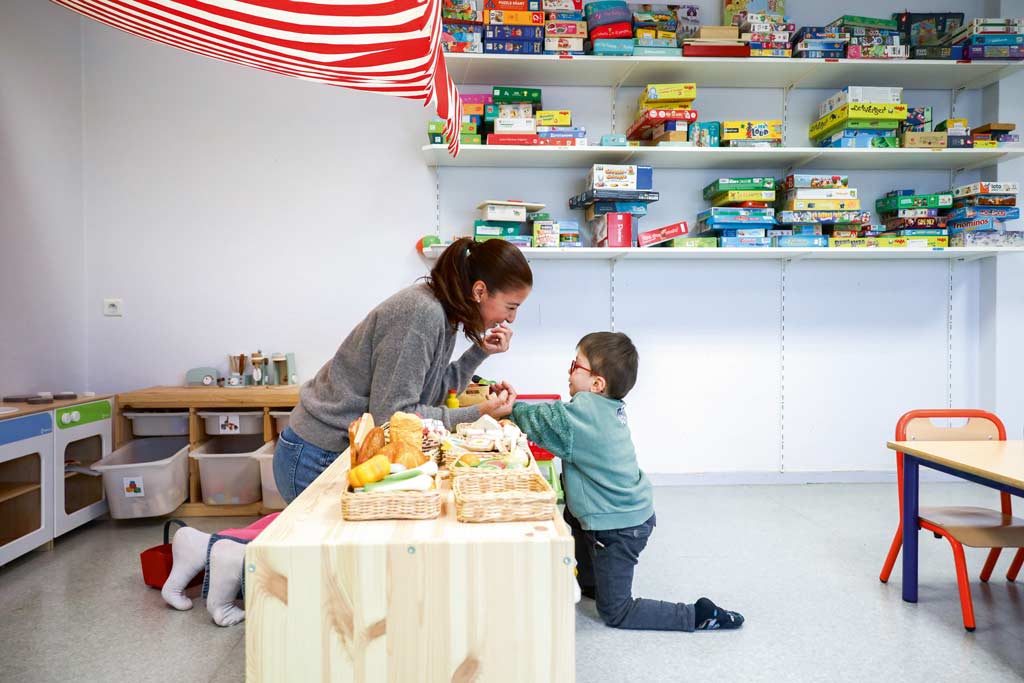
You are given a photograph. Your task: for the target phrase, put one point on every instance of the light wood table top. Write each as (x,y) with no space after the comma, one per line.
(1001,461)
(314,519)
(23,409)
(211,397)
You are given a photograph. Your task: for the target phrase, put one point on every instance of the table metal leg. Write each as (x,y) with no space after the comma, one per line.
(911,469)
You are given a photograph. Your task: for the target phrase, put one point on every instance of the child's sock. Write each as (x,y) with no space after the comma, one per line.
(711,617)
(226,561)
(188,550)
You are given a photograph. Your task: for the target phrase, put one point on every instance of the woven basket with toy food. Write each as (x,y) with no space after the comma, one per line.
(519,498)
(390,475)
(488,447)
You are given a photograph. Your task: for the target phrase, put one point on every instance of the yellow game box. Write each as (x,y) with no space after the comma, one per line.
(669,92)
(876,111)
(734,196)
(752,130)
(553,117)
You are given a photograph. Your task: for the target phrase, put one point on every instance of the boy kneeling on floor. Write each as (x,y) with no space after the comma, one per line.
(609,504)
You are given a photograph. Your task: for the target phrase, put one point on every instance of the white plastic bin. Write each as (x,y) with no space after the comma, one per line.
(281,418)
(146,477)
(233,422)
(158,424)
(228,472)
(272,499)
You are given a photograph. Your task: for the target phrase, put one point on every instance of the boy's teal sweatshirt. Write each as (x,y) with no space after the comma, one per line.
(604,486)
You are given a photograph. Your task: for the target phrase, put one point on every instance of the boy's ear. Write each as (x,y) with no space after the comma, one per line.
(598,384)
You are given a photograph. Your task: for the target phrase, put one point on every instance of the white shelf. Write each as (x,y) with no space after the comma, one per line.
(733,253)
(516,156)
(715,72)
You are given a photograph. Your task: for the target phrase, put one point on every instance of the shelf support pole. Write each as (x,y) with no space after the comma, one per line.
(437,200)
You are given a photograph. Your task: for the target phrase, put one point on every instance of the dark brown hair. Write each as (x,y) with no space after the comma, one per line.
(612,356)
(496,263)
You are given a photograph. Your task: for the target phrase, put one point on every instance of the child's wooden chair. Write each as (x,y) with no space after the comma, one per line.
(971,526)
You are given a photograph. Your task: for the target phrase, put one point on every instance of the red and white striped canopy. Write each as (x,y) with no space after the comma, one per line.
(391,47)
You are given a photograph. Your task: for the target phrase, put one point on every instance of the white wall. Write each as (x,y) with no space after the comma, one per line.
(42,269)
(235,210)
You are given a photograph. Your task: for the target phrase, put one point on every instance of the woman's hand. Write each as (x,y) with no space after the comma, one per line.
(496,340)
(498,405)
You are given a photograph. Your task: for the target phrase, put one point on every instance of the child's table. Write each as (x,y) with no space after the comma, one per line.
(404,600)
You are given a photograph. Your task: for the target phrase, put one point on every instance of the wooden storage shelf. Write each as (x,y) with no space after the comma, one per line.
(195,399)
(712,72)
(10,491)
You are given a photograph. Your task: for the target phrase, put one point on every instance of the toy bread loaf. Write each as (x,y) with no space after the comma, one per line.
(407,428)
(357,432)
(371,445)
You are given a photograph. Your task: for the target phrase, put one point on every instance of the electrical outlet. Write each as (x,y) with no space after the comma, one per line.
(113,308)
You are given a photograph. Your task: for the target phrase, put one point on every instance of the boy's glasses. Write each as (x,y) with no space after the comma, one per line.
(576,366)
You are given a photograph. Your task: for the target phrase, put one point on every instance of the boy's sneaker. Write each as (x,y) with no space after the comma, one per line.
(711,617)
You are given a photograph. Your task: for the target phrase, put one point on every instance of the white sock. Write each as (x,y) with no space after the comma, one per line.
(189,552)
(226,561)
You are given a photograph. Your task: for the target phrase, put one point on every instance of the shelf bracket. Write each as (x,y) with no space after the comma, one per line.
(785,113)
(808,159)
(949,334)
(611,293)
(437,200)
(615,91)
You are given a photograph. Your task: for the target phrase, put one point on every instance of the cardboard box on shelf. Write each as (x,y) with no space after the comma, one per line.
(925,140)
(612,230)
(752,130)
(650,238)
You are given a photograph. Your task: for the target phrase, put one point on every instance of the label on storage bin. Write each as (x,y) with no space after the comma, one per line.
(228,424)
(133,487)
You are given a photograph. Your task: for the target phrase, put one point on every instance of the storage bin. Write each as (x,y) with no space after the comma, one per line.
(146,477)
(232,422)
(151,423)
(228,472)
(281,418)
(272,499)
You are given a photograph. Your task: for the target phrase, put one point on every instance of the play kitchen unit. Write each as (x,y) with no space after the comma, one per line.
(47,485)
(204,450)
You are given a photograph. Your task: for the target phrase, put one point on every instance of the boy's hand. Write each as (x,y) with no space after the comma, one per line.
(499,387)
(497,339)
(498,405)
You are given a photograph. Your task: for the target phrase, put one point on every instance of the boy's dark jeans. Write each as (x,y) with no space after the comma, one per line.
(605,561)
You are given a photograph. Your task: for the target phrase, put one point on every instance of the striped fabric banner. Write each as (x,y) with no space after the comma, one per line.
(391,47)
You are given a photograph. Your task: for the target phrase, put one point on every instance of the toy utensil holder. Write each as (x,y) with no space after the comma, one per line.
(237,364)
(259,369)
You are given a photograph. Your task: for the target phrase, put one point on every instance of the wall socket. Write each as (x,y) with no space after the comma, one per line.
(113,308)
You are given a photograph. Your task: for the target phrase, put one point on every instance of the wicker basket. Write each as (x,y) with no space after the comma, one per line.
(391,505)
(526,472)
(503,499)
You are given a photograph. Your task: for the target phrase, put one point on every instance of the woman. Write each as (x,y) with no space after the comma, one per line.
(399,357)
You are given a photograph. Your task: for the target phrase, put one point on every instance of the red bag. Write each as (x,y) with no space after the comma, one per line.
(157,561)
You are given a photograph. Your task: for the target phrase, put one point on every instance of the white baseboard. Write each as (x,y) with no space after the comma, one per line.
(788,478)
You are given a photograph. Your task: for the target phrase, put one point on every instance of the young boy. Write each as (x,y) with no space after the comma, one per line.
(608,500)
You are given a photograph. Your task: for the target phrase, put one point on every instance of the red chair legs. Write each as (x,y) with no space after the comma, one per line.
(990,563)
(1018,560)
(894,552)
(966,605)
